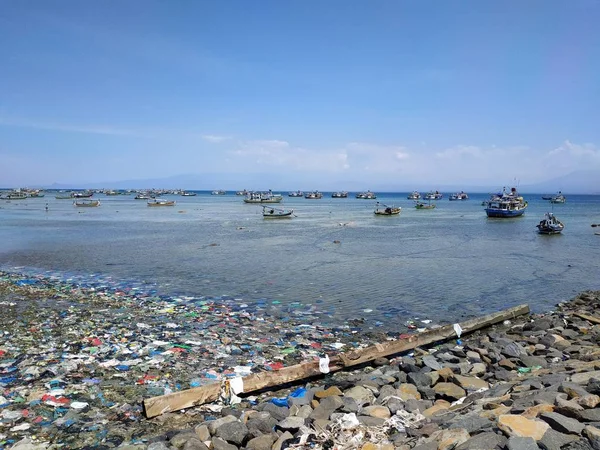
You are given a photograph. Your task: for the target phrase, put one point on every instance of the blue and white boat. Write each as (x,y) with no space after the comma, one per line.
(506,204)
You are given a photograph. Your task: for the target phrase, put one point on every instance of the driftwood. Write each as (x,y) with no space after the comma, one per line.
(588,318)
(209,393)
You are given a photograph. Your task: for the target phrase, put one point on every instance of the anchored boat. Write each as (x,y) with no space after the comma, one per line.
(506,204)
(276,213)
(384,210)
(550,225)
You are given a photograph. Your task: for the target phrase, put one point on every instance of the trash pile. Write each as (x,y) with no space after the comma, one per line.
(76,361)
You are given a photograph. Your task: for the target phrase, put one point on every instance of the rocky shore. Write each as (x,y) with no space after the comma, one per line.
(75,366)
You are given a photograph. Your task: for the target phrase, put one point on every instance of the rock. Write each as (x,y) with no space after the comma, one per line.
(515,425)
(419,379)
(553,440)
(431,362)
(445,374)
(471,422)
(513,350)
(440,405)
(202,432)
(263,442)
(262,424)
(220,444)
(573,390)
(181,438)
(362,395)
(488,440)
(561,423)
(593,435)
(333,390)
(407,391)
(284,437)
(507,364)
(533,361)
(449,390)
(588,401)
(449,439)
(521,443)
(214,424)
(478,369)
(427,446)
(534,411)
(471,383)
(370,421)
(371,446)
(278,412)
(194,444)
(291,423)
(589,415)
(584,377)
(381,412)
(233,432)
(154,446)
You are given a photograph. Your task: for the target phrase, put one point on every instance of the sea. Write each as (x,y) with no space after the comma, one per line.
(334,261)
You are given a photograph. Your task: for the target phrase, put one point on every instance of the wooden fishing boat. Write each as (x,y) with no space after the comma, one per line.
(342,194)
(263,197)
(315,195)
(414,195)
(550,225)
(384,210)
(276,213)
(421,205)
(85,194)
(368,195)
(558,198)
(161,202)
(87,203)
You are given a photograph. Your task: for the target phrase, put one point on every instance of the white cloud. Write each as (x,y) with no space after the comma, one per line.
(215,139)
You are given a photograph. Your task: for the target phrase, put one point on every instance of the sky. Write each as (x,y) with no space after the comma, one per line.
(341,93)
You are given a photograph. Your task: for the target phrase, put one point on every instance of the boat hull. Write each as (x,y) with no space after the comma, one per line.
(503,213)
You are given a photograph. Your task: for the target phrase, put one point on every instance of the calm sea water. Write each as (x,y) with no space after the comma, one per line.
(442,264)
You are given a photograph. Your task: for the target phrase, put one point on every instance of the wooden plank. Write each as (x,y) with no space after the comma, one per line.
(588,318)
(197,396)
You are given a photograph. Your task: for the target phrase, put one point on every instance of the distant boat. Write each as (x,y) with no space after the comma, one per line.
(384,210)
(141,196)
(296,194)
(188,194)
(244,192)
(421,205)
(342,194)
(63,196)
(459,196)
(506,204)
(550,225)
(414,195)
(219,192)
(263,197)
(558,198)
(315,195)
(16,196)
(275,213)
(433,195)
(161,202)
(86,203)
(112,192)
(85,194)
(366,195)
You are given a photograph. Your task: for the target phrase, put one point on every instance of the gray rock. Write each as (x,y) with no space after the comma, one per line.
(262,424)
(553,440)
(214,424)
(419,379)
(471,422)
(562,424)
(349,404)
(432,362)
(264,442)
(179,439)
(194,444)
(279,412)
(593,386)
(572,389)
(371,421)
(361,394)
(533,361)
(521,443)
(291,423)
(334,402)
(589,415)
(488,441)
(284,437)
(513,350)
(427,446)
(581,444)
(157,446)
(220,444)
(233,432)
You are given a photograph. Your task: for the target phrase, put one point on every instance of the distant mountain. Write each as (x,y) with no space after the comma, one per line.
(580,182)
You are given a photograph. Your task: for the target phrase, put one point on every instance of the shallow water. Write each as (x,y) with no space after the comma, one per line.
(442,264)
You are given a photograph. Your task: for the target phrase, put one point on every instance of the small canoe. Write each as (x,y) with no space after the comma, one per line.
(87,203)
(384,210)
(160,202)
(275,213)
(424,206)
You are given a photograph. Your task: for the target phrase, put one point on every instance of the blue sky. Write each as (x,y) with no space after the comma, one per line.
(339,92)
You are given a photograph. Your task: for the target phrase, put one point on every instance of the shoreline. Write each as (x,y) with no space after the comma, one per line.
(77,370)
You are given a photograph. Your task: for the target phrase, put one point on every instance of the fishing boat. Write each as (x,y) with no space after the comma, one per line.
(414,195)
(86,203)
(219,192)
(342,194)
(243,192)
(421,205)
(506,204)
(85,194)
(547,197)
(188,194)
(315,195)
(263,197)
(142,196)
(550,225)
(431,195)
(366,195)
(161,202)
(63,196)
(276,213)
(459,196)
(16,196)
(296,194)
(558,198)
(384,210)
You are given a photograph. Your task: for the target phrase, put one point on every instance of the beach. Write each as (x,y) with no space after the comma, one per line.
(78,363)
